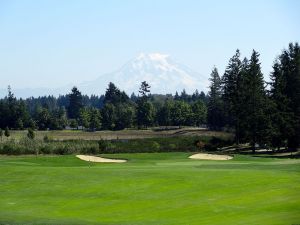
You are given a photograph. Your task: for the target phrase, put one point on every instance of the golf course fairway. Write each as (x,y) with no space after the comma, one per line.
(150,188)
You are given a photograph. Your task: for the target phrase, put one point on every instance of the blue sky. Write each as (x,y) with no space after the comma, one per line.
(54,43)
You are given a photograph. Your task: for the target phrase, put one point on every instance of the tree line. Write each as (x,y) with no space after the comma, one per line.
(258,112)
(114,110)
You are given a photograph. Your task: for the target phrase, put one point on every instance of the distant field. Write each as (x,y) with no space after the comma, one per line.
(123,134)
(150,189)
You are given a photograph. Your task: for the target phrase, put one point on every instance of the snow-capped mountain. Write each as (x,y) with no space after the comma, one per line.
(159,70)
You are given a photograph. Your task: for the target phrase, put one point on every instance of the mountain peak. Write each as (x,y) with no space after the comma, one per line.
(151,62)
(152,56)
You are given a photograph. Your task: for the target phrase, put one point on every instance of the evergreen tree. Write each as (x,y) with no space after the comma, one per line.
(108,116)
(285,93)
(12,106)
(203,97)
(282,114)
(164,113)
(144,90)
(184,96)
(114,96)
(195,95)
(293,92)
(215,115)
(84,117)
(256,120)
(231,94)
(73,123)
(199,113)
(133,97)
(125,114)
(145,113)
(43,118)
(95,119)
(75,103)
(176,96)
(145,110)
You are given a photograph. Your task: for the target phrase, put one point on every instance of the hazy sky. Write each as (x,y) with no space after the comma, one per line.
(54,43)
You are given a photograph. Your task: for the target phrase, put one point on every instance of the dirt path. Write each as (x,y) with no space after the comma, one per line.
(99,159)
(210,156)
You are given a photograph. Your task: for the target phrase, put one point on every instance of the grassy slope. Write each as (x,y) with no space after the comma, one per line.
(156,188)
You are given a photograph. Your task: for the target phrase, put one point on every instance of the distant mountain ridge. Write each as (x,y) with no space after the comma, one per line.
(164,75)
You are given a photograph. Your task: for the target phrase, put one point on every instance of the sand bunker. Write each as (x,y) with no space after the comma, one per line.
(210,156)
(99,159)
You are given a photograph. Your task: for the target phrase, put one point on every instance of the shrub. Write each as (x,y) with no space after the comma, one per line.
(30,133)
(155,146)
(172,146)
(46,149)
(199,144)
(216,142)
(102,146)
(46,138)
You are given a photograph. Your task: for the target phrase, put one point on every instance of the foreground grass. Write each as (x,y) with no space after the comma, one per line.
(152,188)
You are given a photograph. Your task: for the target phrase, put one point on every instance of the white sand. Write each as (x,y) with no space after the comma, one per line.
(210,156)
(99,159)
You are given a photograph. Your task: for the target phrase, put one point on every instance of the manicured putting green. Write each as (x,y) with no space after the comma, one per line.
(156,188)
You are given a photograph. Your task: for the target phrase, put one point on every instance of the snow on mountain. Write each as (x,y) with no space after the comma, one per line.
(162,73)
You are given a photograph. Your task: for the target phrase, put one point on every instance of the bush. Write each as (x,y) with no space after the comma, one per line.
(46,138)
(199,144)
(216,142)
(46,149)
(102,145)
(30,134)
(155,146)
(172,146)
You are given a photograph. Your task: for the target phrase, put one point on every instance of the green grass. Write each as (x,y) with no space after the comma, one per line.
(152,188)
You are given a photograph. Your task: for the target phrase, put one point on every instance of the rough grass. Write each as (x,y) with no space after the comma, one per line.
(152,188)
(122,134)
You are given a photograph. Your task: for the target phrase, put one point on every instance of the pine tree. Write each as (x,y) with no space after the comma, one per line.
(144,90)
(12,106)
(231,81)
(75,103)
(282,114)
(199,113)
(84,117)
(95,119)
(145,110)
(176,96)
(108,116)
(125,115)
(114,96)
(215,116)
(287,86)
(255,104)
(164,113)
